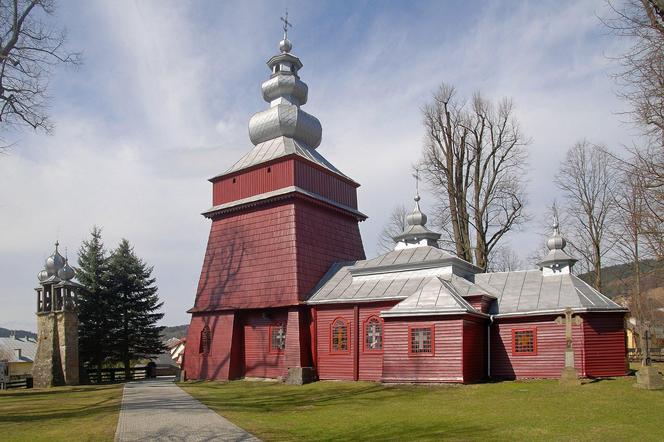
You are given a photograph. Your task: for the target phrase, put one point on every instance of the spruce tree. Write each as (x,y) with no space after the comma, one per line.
(134,307)
(94,324)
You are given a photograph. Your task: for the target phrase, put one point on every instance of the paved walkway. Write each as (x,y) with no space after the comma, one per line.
(156,410)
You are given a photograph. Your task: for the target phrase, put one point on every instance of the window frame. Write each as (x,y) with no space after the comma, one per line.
(432,329)
(205,350)
(365,348)
(271,349)
(524,353)
(348,337)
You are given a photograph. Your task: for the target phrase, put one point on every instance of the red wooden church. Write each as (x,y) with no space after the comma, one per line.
(285,290)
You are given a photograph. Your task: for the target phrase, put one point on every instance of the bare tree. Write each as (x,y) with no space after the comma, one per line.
(394,226)
(588,179)
(504,259)
(29,49)
(641,78)
(473,161)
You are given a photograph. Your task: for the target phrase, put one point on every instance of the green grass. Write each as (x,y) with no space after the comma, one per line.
(85,413)
(606,410)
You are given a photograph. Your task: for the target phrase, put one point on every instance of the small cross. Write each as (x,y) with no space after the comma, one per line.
(420,338)
(373,336)
(286,24)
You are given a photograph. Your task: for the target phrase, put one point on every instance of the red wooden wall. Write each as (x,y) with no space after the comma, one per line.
(547,362)
(284,172)
(474,349)
(224,361)
(446,364)
(250,260)
(358,363)
(258,360)
(323,237)
(605,348)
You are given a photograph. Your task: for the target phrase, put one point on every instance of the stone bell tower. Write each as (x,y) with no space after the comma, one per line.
(56,361)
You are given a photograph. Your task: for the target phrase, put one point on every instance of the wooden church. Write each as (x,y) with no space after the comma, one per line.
(286,290)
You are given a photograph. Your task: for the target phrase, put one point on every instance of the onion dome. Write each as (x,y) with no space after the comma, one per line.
(557,258)
(42,276)
(55,262)
(416,233)
(286,93)
(66,272)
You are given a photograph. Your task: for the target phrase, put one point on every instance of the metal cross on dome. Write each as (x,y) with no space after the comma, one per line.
(286,24)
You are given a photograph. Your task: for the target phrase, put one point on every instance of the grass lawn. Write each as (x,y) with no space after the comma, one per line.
(60,414)
(610,409)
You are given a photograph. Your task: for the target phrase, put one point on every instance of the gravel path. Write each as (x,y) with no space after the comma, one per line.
(156,410)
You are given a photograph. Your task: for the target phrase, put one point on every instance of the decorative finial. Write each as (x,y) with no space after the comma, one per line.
(286,25)
(556,224)
(417,184)
(285,45)
(57,243)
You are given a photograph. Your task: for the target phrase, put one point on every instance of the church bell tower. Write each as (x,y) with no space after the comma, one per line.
(281,216)
(56,360)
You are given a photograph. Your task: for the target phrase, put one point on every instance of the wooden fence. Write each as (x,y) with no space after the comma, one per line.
(113,375)
(17,383)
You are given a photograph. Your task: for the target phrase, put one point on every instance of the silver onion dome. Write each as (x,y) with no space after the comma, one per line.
(416,231)
(285,45)
(557,257)
(55,262)
(286,93)
(66,272)
(416,217)
(42,275)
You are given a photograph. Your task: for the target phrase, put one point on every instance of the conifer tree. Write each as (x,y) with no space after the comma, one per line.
(94,324)
(134,307)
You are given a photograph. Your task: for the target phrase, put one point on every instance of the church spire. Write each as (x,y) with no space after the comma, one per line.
(286,93)
(557,261)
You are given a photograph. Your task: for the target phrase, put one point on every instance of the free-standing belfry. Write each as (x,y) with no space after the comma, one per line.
(56,360)
(286,292)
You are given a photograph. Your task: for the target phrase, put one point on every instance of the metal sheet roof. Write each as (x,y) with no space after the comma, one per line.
(529,291)
(435,296)
(8,345)
(413,275)
(277,148)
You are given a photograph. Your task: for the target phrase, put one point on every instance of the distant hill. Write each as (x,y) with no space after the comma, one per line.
(5,332)
(618,284)
(176,331)
(618,280)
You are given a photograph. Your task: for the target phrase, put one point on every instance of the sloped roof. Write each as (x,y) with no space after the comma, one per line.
(8,345)
(529,291)
(277,148)
(436,296)
(394,275)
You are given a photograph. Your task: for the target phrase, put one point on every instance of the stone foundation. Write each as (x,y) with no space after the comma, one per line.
(56,359)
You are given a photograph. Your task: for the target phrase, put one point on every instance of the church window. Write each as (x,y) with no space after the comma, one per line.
(421,340)
(524,341)
(339,332)
(373,334)
(204,347)
(277,338)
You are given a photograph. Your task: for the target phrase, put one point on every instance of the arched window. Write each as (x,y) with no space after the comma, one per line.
(373,334)
(277,338)
(204,347)
(339,336)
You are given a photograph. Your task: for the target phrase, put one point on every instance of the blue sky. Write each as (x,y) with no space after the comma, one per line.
(163,98)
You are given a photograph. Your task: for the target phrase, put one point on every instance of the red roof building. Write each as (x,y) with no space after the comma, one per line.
(286,292)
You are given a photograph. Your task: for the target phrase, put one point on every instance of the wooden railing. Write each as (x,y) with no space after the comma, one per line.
(113,375)
(17,383)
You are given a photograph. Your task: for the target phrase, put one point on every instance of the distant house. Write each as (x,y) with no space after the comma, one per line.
(176,349)
(19,353)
